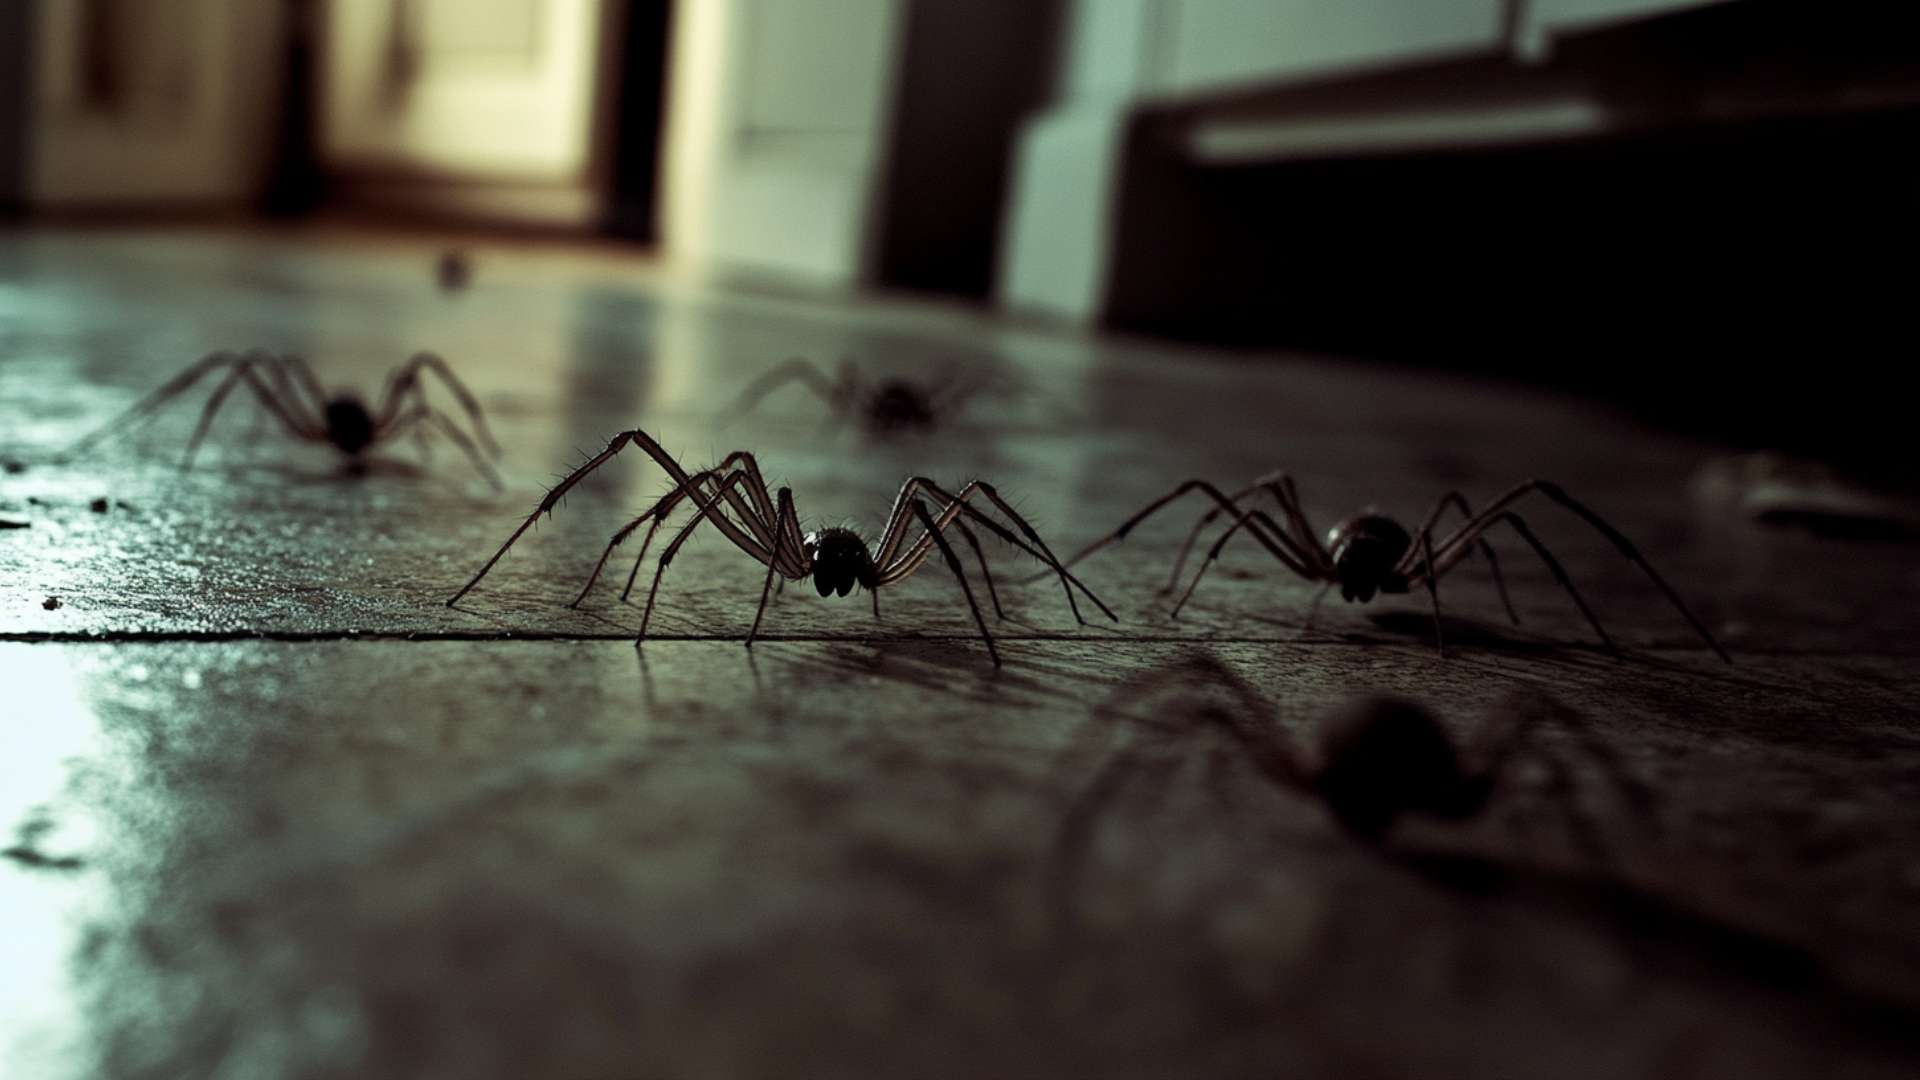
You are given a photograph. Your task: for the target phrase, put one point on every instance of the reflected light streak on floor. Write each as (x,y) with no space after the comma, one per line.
(47,728)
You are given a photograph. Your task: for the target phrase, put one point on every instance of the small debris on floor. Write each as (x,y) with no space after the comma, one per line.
(9,523)
(14,467)
(1775,489)
(26,846)
(455,270)
(100,505)
(37,860)
(51,603)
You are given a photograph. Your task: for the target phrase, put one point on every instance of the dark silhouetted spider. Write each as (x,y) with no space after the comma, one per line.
(884,406)
(285,385)
(734,497)
(1371,553)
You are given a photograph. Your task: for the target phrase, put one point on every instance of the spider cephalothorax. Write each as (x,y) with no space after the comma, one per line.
(735,500)
(889,405)
(840,561)
(1364,550)
(1371,553)
(287,388)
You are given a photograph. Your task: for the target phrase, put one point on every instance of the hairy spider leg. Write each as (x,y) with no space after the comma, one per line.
(412,420)
(795,544)
(986,573)
(1296,557)
(1255,521)
(241,371)
(312,425)
(1465,534)
(406,378)
(424,413)
(658,512)
(287,386)
(1409,568)
(1560,575)
(1264,483)
(707,511)
(302,375)
(953,564)
(619,442)
(794,369)
(784,516)
(905,563)
(151,403)
(655,515)
(1280,484)
(1433,593)
(891,540)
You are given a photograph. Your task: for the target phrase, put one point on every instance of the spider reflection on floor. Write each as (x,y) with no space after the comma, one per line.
(1371,760)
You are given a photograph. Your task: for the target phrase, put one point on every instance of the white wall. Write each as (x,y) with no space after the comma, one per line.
(487,89)
(776,134)
(1212,44)
(1571,14)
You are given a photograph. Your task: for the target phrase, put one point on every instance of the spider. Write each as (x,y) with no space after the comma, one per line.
(1371,553)
(734,497)
(885,406)
(285,385)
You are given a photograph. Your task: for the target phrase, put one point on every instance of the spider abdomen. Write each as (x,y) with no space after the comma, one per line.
(1366,548)
(349,424)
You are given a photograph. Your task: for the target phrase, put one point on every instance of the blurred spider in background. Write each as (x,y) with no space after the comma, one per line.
(286,387)
(884,406)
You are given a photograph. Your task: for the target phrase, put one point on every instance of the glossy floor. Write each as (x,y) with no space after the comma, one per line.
(278,810)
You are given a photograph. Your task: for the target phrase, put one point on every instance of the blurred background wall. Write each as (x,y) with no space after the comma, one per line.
(1657,200)
(125,103)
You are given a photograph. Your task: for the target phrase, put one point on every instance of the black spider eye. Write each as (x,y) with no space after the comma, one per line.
(845,586)
(821,585)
